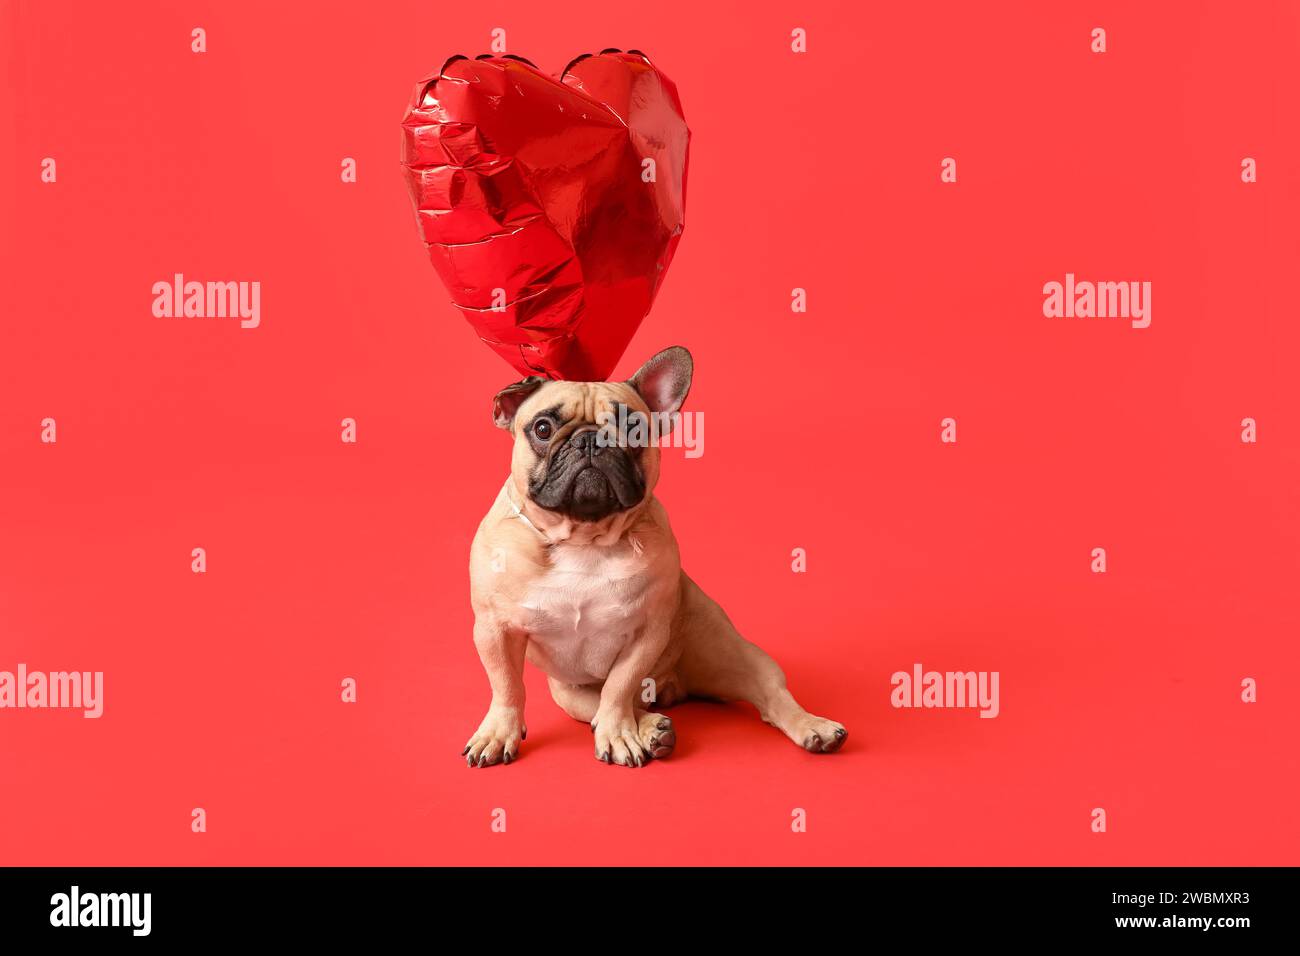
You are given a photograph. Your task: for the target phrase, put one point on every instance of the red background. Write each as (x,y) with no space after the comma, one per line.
(819,171)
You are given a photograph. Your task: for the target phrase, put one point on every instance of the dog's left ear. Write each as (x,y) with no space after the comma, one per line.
(664,380)
(508,400)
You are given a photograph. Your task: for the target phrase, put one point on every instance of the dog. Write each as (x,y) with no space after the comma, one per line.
(576,569)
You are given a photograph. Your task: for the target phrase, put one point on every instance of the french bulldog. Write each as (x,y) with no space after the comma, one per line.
(576,569)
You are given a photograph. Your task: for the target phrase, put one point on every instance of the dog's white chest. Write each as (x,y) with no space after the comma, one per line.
(581,613)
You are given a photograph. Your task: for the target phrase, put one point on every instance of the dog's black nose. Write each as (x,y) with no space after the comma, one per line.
(585,442)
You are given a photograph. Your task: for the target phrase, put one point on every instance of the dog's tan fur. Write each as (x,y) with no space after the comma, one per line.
(602,605)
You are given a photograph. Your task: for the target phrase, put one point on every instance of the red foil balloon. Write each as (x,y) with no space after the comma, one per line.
(551,208)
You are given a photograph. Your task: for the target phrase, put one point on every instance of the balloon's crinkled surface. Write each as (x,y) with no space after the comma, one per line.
(550,208)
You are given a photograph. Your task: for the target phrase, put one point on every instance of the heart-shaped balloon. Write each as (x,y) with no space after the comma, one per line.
(551,208)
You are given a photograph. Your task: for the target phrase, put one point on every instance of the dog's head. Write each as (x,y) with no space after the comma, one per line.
(585,451)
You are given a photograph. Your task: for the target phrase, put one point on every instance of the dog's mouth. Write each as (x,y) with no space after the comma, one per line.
(588,484)
(591,489)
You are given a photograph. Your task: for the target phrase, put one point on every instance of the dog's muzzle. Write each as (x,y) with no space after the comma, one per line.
(588,480)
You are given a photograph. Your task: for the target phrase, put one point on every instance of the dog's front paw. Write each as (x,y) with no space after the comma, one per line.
(497,738)
(617,739)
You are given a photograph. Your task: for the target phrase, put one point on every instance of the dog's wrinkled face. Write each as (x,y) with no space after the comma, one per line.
(571,470)
(577,451)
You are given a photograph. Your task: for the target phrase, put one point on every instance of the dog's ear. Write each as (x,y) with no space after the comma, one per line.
(508,400)
(664,380)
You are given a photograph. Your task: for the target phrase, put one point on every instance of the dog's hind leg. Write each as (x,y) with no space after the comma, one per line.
(718,663)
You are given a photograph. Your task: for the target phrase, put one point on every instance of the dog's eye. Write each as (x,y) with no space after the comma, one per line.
(542,429)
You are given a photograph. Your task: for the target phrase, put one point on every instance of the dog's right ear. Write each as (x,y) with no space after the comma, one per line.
(509,399)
